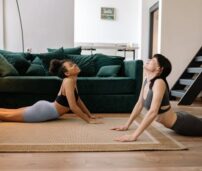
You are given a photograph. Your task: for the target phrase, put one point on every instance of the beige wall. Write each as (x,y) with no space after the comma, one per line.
(46,23)
(1,26)
(146,5)
(181,33)
(90,28)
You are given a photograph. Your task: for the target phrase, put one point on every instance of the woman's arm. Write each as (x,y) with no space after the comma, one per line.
(158,92)
(84,108)
(136,111)
(69,86)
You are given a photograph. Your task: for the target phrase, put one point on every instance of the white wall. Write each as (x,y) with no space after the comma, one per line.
(46,23)
(146,5)
(181,33)
(1,25)
(89,27)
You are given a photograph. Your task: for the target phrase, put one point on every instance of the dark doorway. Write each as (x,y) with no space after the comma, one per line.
(153,29)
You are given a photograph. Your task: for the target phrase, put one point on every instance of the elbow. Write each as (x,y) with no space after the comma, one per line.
(139,105)
(152,113)
(73,107)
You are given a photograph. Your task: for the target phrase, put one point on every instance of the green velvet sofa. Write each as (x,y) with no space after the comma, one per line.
(107,84)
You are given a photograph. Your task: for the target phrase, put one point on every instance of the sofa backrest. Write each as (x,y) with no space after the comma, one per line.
(37,64)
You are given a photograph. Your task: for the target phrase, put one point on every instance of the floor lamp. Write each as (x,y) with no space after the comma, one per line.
(22,34)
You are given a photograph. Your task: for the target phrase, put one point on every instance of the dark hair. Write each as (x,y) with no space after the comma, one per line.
(57,68)
(166,66)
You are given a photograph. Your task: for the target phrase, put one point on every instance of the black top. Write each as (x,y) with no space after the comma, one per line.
(62,99)
(165,101)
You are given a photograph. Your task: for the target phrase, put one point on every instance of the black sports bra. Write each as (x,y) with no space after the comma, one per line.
(62,100)
(165,101)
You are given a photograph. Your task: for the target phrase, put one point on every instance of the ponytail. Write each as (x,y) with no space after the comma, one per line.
(57,68)
(158,77)
(166,66)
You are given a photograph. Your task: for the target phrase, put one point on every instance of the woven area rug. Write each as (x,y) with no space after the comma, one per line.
(73,134)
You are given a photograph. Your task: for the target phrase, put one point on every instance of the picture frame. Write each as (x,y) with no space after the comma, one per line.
(107,13)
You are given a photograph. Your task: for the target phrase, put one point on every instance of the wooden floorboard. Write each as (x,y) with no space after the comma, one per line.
(188,160)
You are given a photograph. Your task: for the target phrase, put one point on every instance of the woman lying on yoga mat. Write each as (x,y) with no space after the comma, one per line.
(67,99)
(154,96)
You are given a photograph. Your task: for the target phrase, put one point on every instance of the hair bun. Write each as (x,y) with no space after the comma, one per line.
(55,65)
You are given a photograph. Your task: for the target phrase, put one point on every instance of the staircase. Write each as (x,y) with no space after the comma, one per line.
(189,85)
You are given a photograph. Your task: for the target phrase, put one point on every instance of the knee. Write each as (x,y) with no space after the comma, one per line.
(12,116)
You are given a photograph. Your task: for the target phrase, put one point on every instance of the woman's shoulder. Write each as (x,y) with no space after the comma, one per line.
(159,83)
(68,81)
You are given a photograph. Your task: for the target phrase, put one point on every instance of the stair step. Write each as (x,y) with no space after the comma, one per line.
(177,93)
(199,59)
(194,70)
(186,81)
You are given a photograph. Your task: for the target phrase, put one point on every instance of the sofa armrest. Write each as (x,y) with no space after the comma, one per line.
(134,69)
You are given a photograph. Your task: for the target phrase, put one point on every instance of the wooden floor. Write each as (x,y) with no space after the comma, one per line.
(188,160)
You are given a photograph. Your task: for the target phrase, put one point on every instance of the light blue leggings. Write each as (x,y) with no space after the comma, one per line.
(40,111)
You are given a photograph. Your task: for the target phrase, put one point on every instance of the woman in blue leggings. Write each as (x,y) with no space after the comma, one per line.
(67,99)
(154,97)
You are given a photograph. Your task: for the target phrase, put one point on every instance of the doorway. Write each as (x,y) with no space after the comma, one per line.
(153,33)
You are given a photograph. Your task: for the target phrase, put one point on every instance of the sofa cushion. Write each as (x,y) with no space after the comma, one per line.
(5,52)
(104,60)
(47,57)
(30,84)
(19,62)
(36,68)
(69,51)
(106,85)
(6,68)
(108,71)
(85,63)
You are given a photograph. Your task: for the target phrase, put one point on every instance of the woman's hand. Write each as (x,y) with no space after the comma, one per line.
(95,117)
(120,128)
(126,138)
(95,121)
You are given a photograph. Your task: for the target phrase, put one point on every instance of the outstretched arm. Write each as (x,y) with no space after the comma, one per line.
(84,108)
(136,111)
(69,91)
(158,92)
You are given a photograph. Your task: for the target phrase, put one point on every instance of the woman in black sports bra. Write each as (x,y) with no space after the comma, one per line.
(67,99)
(154,96)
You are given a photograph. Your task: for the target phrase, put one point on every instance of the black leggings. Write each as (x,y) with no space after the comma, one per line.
(187,124)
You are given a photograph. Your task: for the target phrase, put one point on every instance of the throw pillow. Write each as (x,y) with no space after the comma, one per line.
(85,63)
(6,68)
(69,51)
(36,68)
(47,57)
(19,62)
(5,52)
(108,71)
(104,60)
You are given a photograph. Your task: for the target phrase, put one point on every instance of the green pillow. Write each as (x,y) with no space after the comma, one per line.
(47,57)
(109,71)
(69,51)
(6,69)
(19,62)
(85,63)
(5,52)
(104,60)
(36,68)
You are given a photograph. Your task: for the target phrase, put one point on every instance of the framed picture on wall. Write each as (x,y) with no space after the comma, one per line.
(107,13)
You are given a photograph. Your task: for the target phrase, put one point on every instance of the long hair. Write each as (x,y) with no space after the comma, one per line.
(57,68)
(166,67)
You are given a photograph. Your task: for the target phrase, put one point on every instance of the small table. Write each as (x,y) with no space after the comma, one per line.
(128,50)
(89,48)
